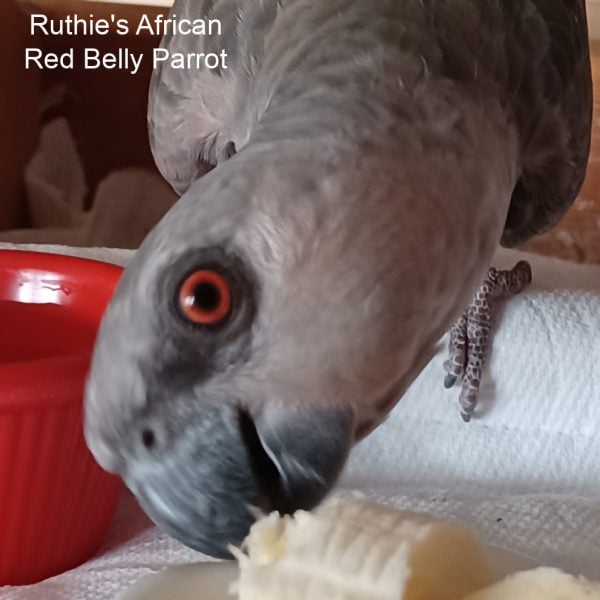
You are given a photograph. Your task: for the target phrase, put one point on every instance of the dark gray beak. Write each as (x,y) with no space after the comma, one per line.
(205,488)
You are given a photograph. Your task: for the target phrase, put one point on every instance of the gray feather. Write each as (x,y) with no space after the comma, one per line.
(193,115)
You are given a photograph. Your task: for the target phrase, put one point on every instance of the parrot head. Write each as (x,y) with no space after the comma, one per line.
(250,343)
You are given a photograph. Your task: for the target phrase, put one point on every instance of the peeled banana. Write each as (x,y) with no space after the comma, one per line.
(540,584)
(359,551)
(364,551)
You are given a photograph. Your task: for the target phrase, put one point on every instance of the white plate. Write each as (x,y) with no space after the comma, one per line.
(200,581)
(211,581)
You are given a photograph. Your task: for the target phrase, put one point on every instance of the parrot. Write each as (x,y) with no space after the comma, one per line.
(344,180)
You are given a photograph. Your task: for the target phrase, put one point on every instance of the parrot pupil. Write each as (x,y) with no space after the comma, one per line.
(207,297)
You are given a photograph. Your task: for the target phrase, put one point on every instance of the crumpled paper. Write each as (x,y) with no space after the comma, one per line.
(126,205)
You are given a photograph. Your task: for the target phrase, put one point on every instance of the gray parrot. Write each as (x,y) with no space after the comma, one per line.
(344,183)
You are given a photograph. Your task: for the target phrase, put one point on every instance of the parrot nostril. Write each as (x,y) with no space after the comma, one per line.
(148,438)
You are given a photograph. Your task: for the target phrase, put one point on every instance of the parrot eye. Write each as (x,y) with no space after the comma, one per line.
(205,298)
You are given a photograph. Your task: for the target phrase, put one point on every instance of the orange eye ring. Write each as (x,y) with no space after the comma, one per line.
(205,298)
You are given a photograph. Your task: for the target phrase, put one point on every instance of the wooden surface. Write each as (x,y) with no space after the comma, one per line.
(19,98)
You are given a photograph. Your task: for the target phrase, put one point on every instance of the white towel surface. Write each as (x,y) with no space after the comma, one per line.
(525,474)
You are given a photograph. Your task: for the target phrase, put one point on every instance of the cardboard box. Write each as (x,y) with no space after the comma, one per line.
(106,109)
(18,113)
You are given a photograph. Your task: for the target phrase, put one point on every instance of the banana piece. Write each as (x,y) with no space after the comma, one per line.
(540,584)
(359,551)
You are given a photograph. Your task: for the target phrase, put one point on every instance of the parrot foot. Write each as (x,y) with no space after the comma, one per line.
(469,337)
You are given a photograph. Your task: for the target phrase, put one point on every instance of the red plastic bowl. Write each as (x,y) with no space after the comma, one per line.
(56,503)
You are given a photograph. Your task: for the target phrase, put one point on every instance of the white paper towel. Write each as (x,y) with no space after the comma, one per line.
(525,475)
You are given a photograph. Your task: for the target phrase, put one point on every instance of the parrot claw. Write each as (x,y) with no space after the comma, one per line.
(450,381)
(466,417)
(469,337)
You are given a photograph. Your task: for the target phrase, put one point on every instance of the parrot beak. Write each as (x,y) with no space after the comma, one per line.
(207,490)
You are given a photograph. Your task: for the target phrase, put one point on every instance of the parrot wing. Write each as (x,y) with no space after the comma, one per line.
(192,113)
(549,50)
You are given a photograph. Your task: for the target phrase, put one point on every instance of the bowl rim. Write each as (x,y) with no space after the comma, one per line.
(52,370)
(69,262)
